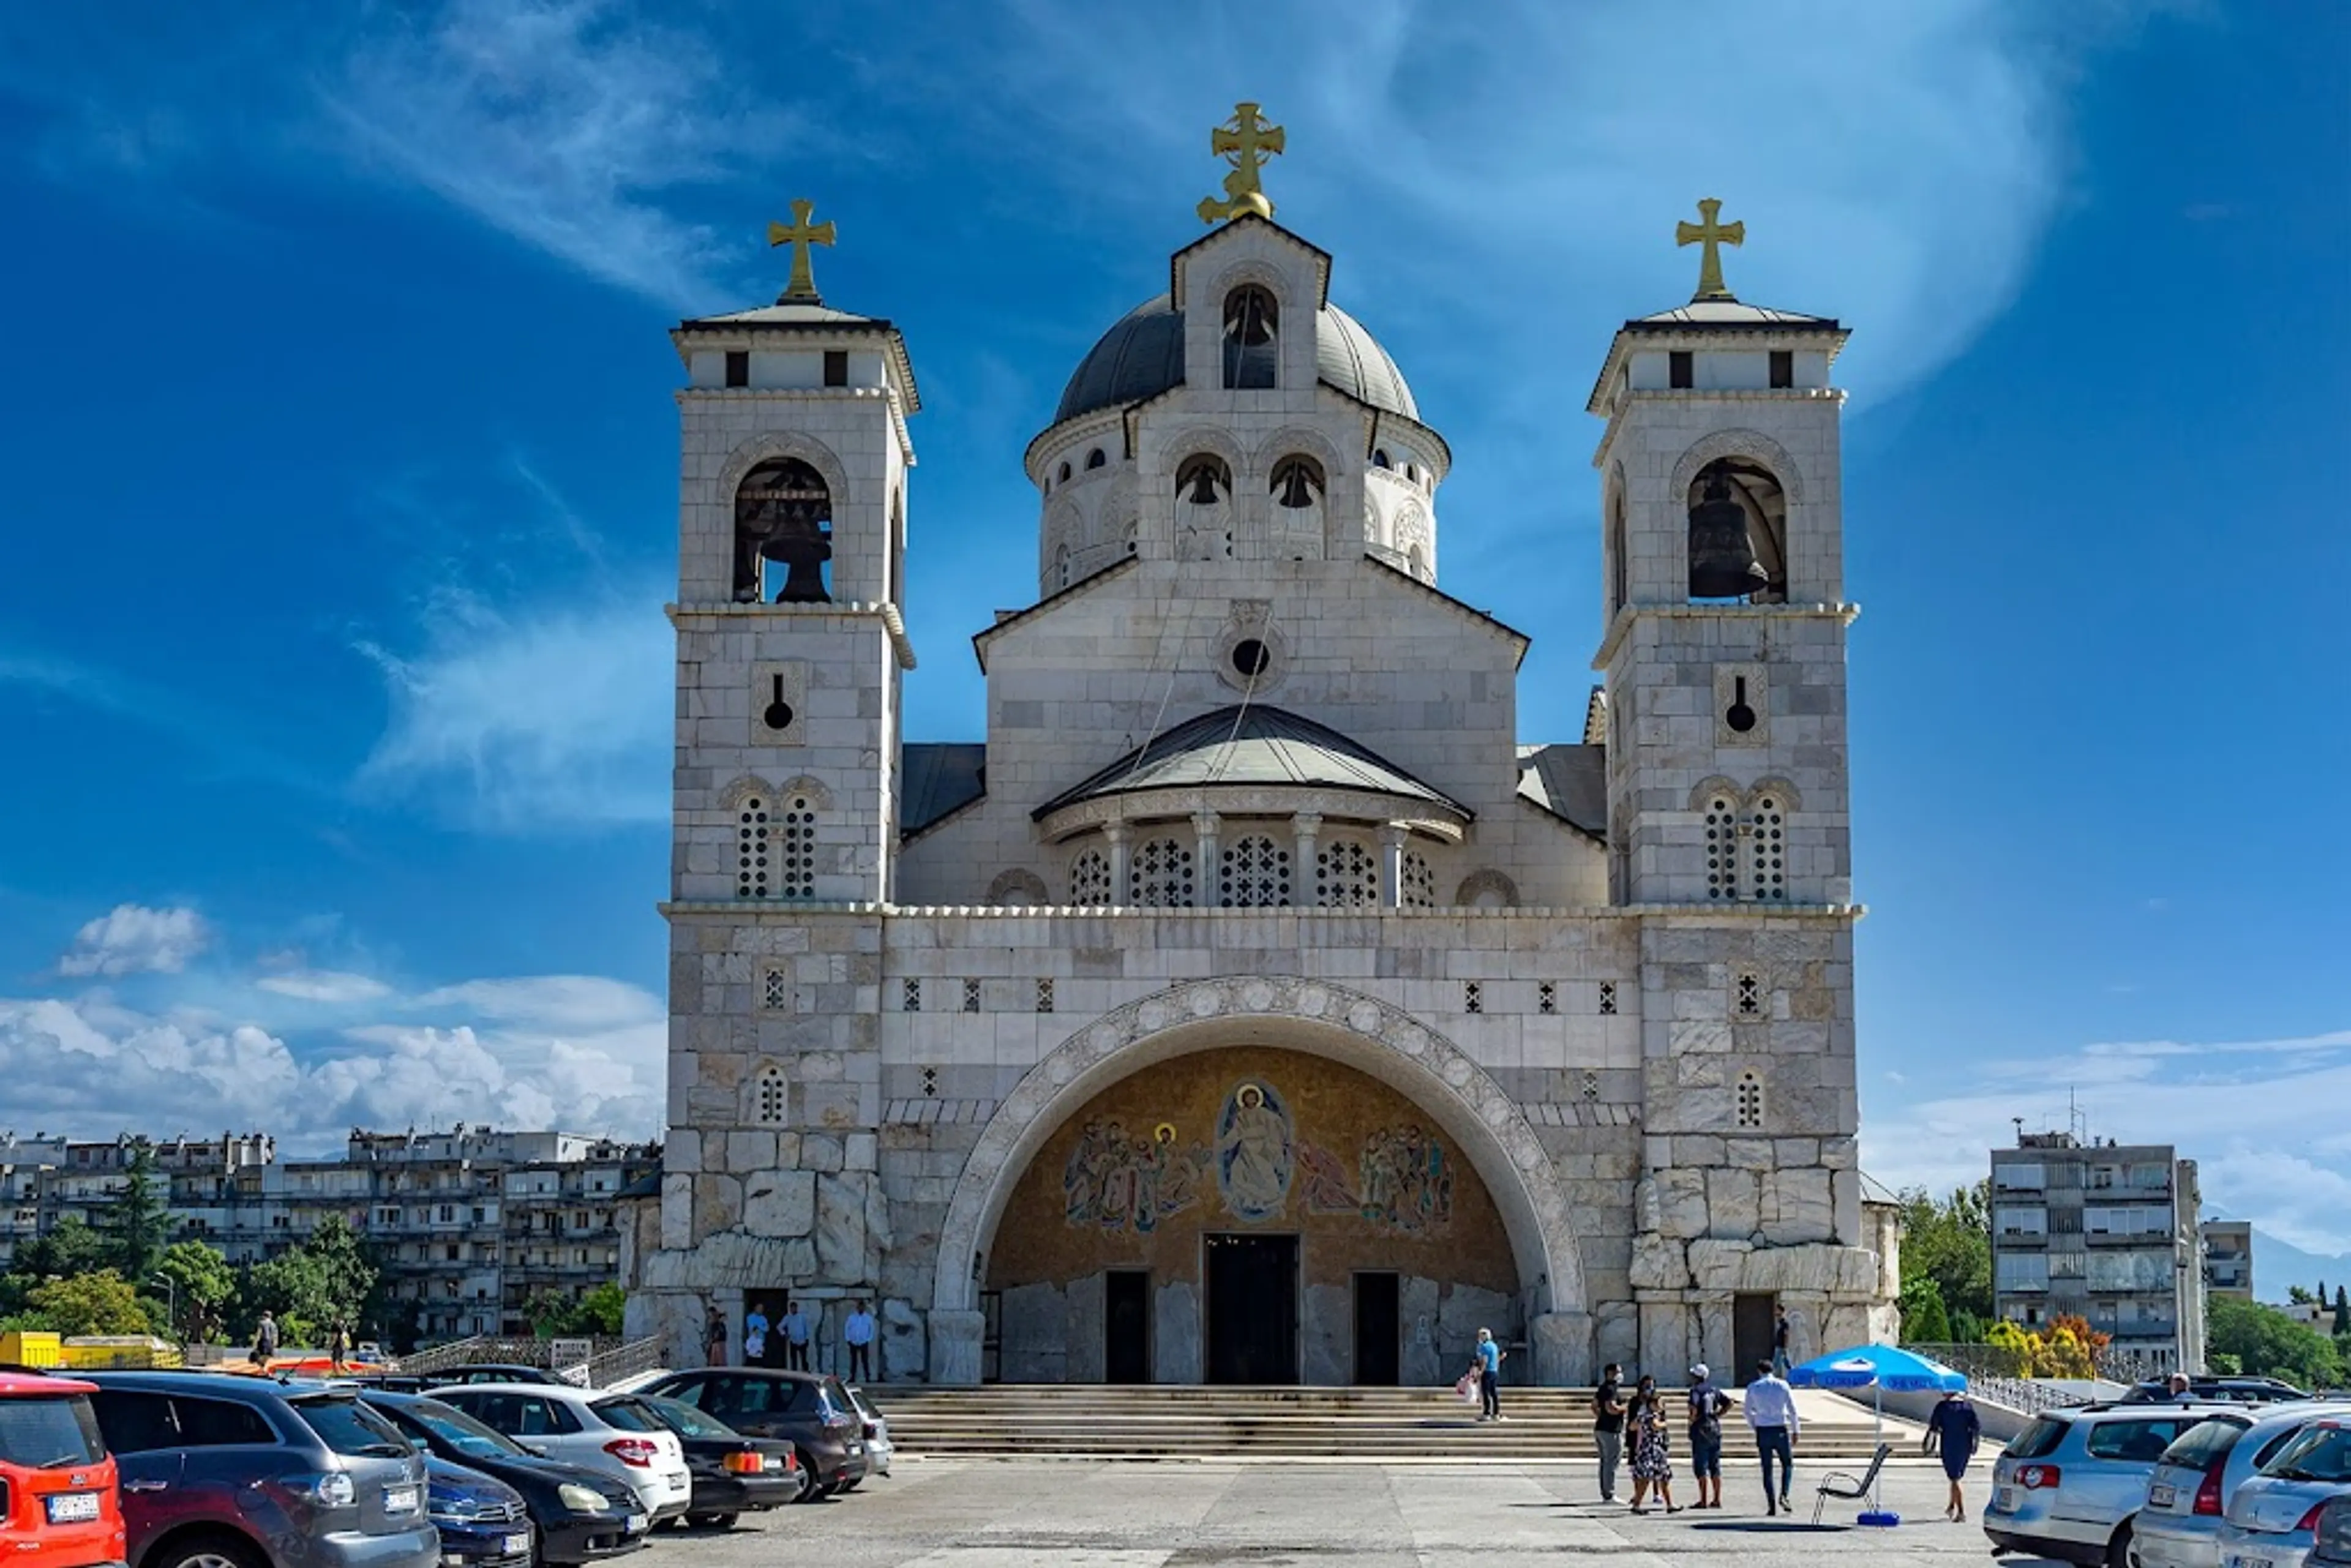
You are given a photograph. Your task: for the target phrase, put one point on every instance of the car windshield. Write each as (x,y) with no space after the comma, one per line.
(683,1419)
(627,1414)
(2039,1440)
(445,1424)
(49,1433)
(2319,1454)
(348,1427)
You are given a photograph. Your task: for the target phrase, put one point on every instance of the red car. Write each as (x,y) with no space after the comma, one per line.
(57,1503)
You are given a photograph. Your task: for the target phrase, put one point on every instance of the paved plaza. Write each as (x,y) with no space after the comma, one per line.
(1092,1514)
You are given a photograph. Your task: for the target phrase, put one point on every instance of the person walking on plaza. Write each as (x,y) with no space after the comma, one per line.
(1770,1409)
(1652,1446)
(1706,1404)
(756,1329)
(795,1337)
(1780,1362)
(714,1339)
(1608,1427)
(858,1335)
(1485,1362)
(339,1348)
(1954,1426)
(264,1341)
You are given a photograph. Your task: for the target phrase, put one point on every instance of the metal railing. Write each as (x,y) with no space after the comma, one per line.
(626,1359)
(612,1357)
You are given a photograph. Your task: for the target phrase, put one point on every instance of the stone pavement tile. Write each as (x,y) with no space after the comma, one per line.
(1495,1509)
(1330,1507)
(1031,1557)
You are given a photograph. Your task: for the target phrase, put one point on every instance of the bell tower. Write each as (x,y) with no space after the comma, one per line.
(1724,648)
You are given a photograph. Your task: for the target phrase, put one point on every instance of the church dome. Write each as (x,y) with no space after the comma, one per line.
(1143,356)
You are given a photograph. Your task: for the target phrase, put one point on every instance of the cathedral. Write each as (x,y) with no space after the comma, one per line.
(1252,1004)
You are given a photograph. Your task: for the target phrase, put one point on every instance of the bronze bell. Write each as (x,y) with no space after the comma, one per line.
(1722,563)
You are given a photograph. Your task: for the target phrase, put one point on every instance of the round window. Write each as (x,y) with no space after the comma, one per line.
(1251,657)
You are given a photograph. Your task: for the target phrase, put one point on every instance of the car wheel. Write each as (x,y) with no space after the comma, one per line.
(710,1521)
(208,1550)
(2118,1551)
(816,1490)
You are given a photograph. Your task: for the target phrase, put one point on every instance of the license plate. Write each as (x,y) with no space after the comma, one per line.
(2161,1495)
(637,1521)
(400,1500)
(769,1462)
(2239,1560)
(516,1545)
(72,1507)
(2004,1498)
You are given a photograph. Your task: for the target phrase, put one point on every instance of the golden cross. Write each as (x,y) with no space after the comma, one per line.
(1711,234)
(801,234)
(1248,141)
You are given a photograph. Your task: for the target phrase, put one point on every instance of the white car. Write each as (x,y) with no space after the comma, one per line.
(604,1431)
(2179,1525)
(878,1448)
(2272,1521)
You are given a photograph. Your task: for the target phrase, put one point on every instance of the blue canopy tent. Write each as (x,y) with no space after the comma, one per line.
(1878,1367)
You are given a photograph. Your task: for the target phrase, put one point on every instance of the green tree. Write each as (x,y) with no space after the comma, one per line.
(100,1303)
(2268,1342)
(2298,1296)
(1948,1241)
(593,1312)
(203,1288)
(69,1249)
(330,1279)
(137,1222)
(2342,1312)
(1923,1321)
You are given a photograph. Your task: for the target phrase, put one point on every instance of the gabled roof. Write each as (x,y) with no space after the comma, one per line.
(938,778)
(1570,782)
(1004,620)
(1251,744)
(1464,606)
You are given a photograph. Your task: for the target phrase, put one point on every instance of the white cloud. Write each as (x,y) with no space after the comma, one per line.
(550,1001)
(133,939)
(329,985)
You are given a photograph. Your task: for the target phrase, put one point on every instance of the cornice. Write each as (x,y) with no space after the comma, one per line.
(853,609)
(780,912)
(1625,401)
(1671,335)
(1621,623)
(898,411)
(1238,800)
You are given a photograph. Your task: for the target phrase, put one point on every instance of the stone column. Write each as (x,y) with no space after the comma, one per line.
(1307,826)
(1392,838)
(954,1347)
(1205,870)
(1121,838)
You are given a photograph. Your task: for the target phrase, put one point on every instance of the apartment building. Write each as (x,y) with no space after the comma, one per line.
(2102,1232)
(2229,1258)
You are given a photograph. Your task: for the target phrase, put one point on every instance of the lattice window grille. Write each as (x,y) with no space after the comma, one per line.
(1419,882)
(1547,999)
(799,858)
(774,989)
(1346,876)
(1766,852)
(1255,874)
(1751,1100)
(1044,996)
(971,996)
(911,995)
(751,848)
(1607,997)
(1473,997)
(1722,848)
(1591,1084)
(1089,880)
(769,1098)
(1748,994)
(930,1083)
(1161,875)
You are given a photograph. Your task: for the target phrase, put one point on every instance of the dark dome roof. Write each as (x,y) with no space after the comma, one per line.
(1143,356)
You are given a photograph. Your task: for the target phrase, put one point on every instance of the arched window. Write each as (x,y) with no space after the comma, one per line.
(797,862)
(1089,880)
(1297,483)
(1380,458)
(1767,852)
(1204,514)
(1738,533)
(1062,474)
(752,830)
(1346,876)
(1412,472)
(1252,326)
(1255,874)
(1096,458)
(1060,565)
(783,518)
(1203,480)
(770,1101)
(1419,882)
(1748,1102)
(1618,567)
(1161,875)
(1722,848)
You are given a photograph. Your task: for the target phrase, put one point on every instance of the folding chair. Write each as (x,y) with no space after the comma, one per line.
(1853,1488)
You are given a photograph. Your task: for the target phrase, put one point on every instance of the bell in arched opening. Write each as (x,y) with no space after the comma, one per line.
(1722,563)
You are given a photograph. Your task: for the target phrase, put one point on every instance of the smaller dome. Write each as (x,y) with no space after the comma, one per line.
(1143,356)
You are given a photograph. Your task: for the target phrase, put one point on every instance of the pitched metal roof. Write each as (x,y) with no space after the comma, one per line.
(939,778)
(1570,782)
(1251,744)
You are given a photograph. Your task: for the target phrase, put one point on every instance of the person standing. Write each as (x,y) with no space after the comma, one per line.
(858,1335)
(795,1337)
(1780,1361)
(264,1341)
(1608,1427)
(714,1338)
(1652,1446)
(1485,1362)
(1954,1426)
(339,1348)
(1771,1409)
(755,1330)
(1706,1404)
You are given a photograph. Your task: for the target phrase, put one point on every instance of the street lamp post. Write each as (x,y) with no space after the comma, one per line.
(171,1299)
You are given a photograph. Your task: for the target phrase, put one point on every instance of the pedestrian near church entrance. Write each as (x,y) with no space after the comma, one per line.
(714,1339)
(1487,1362)
(264,1341)
(1652,1446)
(1780,1362)
(1608,1427)
(756,1329)
(1771,1407)
(795,1327)
(1706,1404)
(1954,1427)
(858,1335)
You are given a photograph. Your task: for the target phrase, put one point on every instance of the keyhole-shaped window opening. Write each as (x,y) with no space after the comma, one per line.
(769,1098)
(1252,328)
(783,535)
(1738,533)
(1096,458)
(1748,1099)
(1297,483)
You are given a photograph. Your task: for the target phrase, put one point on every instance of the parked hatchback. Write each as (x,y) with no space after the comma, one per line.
(733,1474)
(2068,1485)
(607,1432)
(57,1505)
(582,1515)
(248,1472)
(810,1410)
(2187,1494)
(2273,1521)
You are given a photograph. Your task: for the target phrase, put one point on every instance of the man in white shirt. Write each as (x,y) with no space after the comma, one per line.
(795,1327)
(1770,1409)
(858,1335)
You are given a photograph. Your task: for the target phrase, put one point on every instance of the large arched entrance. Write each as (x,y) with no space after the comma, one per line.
(1260,1031)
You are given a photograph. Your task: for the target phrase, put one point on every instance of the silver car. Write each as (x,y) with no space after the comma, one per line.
(2333,1548)
(2180,1524)
(879,1450)
(2272,1521)
(2068,1486)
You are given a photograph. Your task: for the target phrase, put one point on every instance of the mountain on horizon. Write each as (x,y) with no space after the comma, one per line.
(2278,1264)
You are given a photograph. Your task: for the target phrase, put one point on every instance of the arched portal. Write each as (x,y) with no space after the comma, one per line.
(1311,1018)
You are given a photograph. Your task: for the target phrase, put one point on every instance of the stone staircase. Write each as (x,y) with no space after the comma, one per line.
(1158,1422)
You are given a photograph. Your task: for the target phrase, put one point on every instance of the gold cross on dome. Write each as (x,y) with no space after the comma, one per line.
(800,234)
(1711,234)
(1246,140)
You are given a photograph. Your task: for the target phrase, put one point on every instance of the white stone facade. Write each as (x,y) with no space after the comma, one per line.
(888,991)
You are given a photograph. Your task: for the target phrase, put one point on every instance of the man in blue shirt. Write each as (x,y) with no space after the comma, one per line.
(1771,1409)
(1489,1368)
(795,1327)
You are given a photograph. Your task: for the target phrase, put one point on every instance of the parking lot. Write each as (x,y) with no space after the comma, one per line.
(1093,1514)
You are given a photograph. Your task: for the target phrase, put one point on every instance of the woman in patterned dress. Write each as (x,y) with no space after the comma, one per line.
(1652,1451)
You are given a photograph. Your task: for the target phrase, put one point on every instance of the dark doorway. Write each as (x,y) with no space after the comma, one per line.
(1252,1318)
(1126,1326)
(1379,1332)
(1752,1320)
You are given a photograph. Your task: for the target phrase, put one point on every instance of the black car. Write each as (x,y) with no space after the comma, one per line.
(484,1522)
(2228,1390)
(808,1410)
(582,1515)
(733,1474)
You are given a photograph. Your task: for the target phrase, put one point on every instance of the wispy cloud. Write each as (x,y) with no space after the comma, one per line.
(329,987)
(133,939)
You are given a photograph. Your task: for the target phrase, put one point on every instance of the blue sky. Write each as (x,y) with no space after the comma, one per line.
(340,485)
